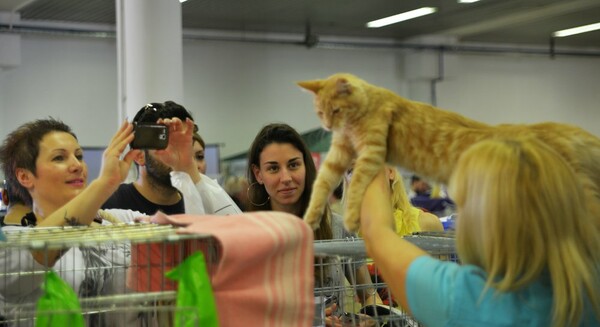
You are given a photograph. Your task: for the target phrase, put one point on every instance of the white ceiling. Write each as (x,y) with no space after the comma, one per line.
(517,22)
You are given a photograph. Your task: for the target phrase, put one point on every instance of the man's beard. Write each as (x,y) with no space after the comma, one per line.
(158,173)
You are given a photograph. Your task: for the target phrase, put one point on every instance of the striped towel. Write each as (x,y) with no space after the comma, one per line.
(264,275)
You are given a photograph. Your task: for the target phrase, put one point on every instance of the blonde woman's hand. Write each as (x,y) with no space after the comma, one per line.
(114,170)
(376,209)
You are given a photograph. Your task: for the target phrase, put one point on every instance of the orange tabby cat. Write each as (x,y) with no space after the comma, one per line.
(375,126)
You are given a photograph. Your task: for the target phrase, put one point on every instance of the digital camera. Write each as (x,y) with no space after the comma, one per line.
(150,136)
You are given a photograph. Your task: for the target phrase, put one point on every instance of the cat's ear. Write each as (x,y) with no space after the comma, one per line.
(343,86)
(314,86)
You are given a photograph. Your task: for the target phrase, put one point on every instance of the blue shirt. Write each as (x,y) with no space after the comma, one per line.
(442,293)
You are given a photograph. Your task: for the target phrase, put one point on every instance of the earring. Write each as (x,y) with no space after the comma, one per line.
(249,199)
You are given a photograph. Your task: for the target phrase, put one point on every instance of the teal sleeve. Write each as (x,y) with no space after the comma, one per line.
(428,285)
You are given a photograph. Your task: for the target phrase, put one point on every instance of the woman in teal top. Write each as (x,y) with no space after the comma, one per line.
(529,248)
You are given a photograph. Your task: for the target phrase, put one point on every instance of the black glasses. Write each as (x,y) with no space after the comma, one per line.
(150,113)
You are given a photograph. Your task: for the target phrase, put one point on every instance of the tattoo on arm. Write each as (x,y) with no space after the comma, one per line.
(72,221)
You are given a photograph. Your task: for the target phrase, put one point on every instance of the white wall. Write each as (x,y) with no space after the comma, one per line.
(235,88)
(73,79)
(525,89)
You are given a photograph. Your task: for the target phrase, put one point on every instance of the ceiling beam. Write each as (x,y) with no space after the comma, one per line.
(14,5)
(528,15)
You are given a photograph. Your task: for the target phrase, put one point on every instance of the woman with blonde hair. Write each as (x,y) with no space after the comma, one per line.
(525,237)
(408,218)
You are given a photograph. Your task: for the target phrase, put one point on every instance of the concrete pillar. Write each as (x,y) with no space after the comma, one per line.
(150,55)
(10,43)
(10,50)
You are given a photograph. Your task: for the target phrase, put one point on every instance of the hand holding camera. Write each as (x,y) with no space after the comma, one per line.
(150,136)
(174,148)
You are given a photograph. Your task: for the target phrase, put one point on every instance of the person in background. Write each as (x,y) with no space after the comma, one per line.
(198,149)
(418,186)
(529,256)
(335,200)
(423,196)
(16,209)
(237,188)
(408,219)
(158,187)
(281,173)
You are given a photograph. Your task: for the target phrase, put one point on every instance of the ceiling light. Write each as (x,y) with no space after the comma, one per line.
(467,1)
(401,17)
(182,1)
(577,30)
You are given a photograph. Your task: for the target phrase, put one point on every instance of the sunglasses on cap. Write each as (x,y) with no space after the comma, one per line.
(150,113)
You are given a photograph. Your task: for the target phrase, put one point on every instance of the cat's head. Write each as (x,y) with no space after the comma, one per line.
(338,99)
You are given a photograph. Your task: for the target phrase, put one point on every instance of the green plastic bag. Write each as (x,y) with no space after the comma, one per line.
(194,291)
(59,305)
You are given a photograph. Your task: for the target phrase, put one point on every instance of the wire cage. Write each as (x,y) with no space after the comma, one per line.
(344,275)
(117,273)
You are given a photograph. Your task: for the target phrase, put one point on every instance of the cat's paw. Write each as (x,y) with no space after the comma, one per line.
(312,218)
(351,221)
